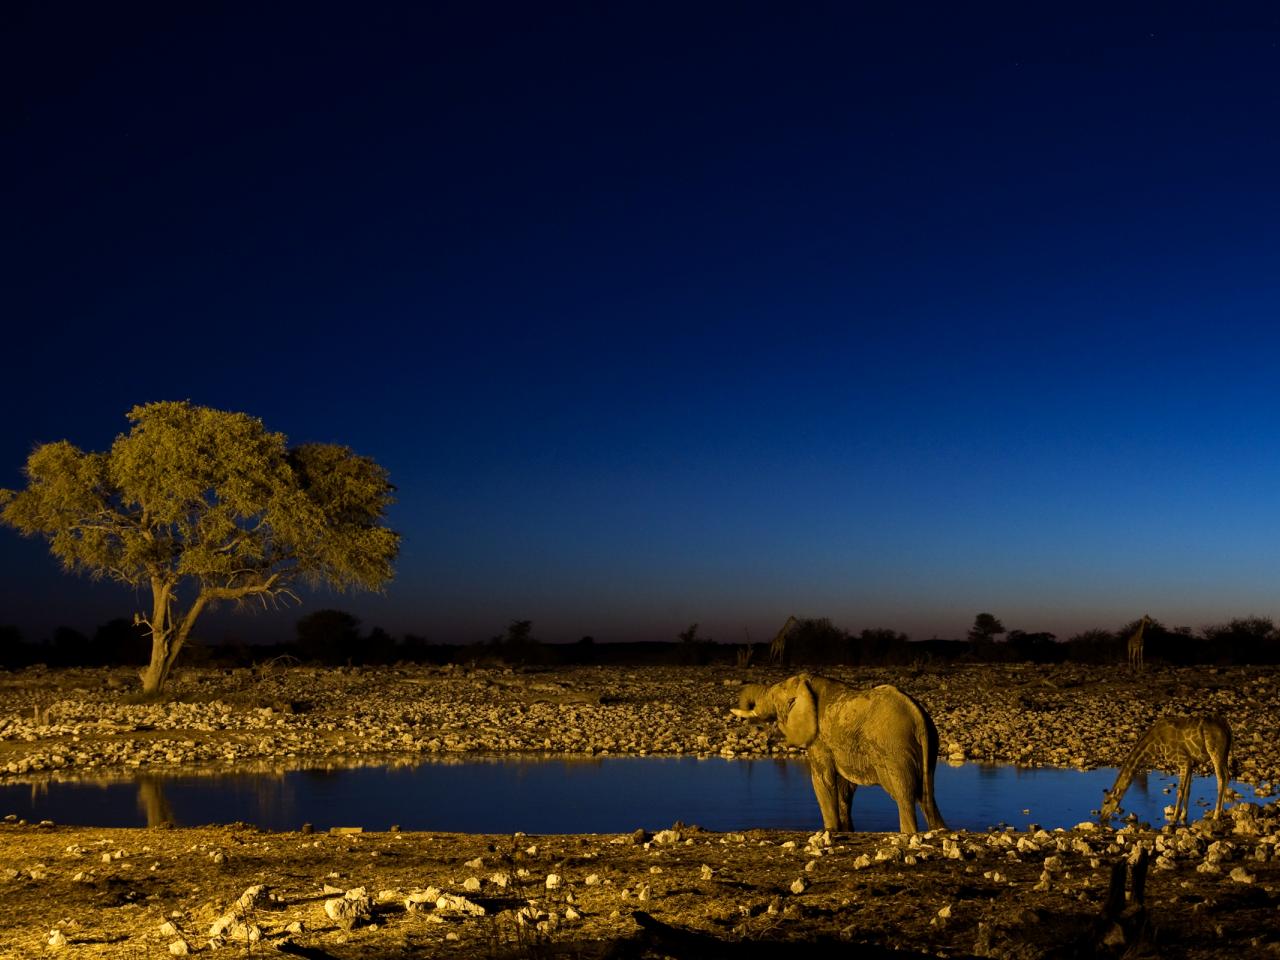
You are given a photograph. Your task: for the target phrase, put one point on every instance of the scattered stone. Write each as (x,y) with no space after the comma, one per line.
(452,903)
(1241,875)
(351,908)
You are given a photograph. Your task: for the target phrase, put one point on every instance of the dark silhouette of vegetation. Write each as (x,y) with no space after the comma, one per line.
(689,634)
(695,649)
(1093,646)
(328,636)
(986,627)
(516,645)
(202,507)
(72,646)
(1036,647)
(13,649)
(1254,638)
(877,645)
(816,640)
(335,637)
(121,641)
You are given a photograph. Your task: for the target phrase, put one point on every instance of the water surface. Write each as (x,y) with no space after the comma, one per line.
(600,795)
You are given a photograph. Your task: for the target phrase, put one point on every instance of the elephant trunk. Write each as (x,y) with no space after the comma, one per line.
(754,703)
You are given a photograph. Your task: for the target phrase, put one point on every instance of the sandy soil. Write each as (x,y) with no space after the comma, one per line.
(1210,891)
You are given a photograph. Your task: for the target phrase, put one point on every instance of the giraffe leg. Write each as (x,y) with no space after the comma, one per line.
(1184,796)
(1222,774)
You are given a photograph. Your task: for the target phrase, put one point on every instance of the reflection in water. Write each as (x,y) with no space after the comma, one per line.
(152,801)
(597,795)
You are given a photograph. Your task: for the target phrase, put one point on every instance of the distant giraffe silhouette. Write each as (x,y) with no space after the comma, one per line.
(1135,644)
(778,649)
(1177,745)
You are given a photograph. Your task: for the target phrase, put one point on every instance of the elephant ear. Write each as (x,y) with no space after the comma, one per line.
(800,723)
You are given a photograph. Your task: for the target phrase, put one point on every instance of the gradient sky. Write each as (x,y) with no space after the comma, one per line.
(663,313)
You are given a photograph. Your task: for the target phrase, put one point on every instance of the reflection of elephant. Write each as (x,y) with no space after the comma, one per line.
(153,802)
(878,736)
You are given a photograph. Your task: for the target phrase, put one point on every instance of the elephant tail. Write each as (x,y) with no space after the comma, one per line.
(928,736)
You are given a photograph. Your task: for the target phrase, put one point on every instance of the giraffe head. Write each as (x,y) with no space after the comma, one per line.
(1110,803)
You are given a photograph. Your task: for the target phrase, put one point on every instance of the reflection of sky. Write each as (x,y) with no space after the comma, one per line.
(609,795)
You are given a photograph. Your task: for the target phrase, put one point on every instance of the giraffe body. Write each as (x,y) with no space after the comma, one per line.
(1177,745)
(778,649)
(1135,644)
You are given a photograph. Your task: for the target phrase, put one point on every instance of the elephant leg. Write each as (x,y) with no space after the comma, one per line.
(826,786)
(904,795)
(844,801)
(932,815)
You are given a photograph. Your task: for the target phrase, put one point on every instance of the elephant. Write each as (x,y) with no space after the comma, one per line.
(878,736)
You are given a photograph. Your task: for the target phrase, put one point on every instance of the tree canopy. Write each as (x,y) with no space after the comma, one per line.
(985,627)
(204,506)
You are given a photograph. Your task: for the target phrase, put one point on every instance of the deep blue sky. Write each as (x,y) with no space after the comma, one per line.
(662,313)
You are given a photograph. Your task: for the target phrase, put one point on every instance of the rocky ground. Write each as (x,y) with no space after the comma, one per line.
(1211,890)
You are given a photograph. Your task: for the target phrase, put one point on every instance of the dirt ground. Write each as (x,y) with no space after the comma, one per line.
(110,893)
(1210,891)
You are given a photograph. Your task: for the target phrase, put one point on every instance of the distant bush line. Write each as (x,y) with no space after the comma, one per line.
(334,637)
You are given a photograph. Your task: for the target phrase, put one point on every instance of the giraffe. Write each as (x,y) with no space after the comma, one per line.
(1135,644)
(778,649)
(1176,744)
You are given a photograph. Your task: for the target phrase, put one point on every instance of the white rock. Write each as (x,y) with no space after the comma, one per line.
(798,885)
(452,903)
(56,939)
(471,884)
(553,881)
(179,948)
(348,910)
(1241,875)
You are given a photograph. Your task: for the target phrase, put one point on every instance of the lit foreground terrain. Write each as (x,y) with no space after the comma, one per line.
(1212,890)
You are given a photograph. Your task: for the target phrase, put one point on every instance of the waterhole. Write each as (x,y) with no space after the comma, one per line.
(602,795)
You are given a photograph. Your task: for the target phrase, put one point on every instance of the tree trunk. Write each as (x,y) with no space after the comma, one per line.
(157,672)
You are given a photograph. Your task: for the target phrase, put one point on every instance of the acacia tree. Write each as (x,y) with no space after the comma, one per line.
(203,507)
(985,627)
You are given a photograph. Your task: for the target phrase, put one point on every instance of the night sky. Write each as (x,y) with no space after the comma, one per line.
(663,313)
